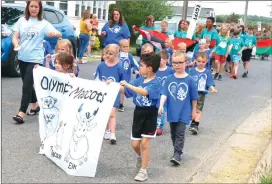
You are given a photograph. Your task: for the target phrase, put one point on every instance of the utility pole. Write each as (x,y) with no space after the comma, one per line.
(245,15)
(184,9)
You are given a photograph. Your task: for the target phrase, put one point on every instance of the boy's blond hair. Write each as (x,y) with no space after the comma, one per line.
(178,54)
(164,54)
(164,22)
(147,45)
(182,44)
(202,55)
(123,41)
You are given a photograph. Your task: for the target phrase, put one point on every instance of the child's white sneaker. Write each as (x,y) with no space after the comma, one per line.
(107,135)
(112,138)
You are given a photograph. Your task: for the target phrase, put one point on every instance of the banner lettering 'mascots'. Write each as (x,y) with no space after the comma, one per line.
(72,120)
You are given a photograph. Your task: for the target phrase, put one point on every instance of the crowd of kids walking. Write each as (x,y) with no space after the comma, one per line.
(168,83)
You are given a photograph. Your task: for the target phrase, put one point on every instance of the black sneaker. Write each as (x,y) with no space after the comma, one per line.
(194,129)
(244,74)
(215,76)
(121,108)
(220,77)
(176,159)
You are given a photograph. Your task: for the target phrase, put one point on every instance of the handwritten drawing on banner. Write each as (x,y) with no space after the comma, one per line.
(73,117)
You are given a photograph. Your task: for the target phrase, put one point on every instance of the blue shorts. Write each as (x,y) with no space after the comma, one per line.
(235,58)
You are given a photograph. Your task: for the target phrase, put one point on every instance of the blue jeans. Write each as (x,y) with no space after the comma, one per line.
(83,44)
(161,119)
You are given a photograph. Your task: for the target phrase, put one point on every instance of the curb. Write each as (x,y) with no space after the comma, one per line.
(264,166)
(236,160)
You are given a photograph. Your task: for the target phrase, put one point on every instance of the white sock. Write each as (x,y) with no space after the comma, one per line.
(144,170)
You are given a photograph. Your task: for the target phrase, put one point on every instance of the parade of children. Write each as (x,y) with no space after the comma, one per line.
(168,88)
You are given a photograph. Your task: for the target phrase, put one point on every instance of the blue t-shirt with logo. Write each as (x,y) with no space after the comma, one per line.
(163,74)
(128,62)
(179,92)
(249,40)
(203,80)
(237,44)
(153,87)
(170,53)
(115,33)
(110,73)
(31,36)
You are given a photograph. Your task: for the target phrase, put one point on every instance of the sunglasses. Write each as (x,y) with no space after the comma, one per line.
(178,63)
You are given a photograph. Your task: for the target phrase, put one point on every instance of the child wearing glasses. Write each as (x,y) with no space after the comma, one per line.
(180,95)
(204,82)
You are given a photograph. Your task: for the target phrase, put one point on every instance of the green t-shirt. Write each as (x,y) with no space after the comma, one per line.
(237,44)
(180,34)
(222,46)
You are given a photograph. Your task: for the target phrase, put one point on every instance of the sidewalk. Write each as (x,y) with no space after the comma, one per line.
(236,160)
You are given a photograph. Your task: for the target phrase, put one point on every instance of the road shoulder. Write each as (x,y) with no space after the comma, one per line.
(236,160)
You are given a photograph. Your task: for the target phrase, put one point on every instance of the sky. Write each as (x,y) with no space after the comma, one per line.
(259,8)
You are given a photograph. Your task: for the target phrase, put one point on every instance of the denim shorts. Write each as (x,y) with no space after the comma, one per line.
(235,58)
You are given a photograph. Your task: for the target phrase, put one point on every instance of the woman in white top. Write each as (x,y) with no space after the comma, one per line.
(29,34)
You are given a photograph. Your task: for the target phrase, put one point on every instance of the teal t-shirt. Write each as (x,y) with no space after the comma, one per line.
(148,29)
(212,34)
(249,40)
(237,44)
(195,36)
(222,46)
(180,34)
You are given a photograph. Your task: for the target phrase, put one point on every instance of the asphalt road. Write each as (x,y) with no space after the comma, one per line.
(236,100)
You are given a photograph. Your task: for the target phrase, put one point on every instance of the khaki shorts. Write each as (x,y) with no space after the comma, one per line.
(200,101)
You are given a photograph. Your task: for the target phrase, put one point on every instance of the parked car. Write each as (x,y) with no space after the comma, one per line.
(10,13)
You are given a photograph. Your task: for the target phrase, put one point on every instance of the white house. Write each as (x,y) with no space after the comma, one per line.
(75,8)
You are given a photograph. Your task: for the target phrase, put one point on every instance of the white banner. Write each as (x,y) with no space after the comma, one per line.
(259,26)
(73,117)
(193,21)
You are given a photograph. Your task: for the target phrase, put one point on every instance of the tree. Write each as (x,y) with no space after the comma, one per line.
(233,18)
(135,12)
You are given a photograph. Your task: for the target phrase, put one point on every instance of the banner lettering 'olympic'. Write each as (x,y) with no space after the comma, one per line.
(72,120)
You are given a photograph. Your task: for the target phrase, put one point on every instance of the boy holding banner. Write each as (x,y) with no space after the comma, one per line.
(145,91)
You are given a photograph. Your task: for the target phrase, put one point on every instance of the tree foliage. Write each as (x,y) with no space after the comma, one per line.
(135,12)
(250,18)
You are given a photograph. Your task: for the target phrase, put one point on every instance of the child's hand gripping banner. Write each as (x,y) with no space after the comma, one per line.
(72,120)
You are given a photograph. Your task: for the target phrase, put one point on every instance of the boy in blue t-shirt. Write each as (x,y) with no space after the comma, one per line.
(145,91)
(180,93)
(204,82)
(163,72)
(128,62)
(111,71)
(236,52)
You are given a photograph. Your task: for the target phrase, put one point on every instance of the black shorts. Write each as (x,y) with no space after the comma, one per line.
(228,58)
(246,55)
(144,122)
